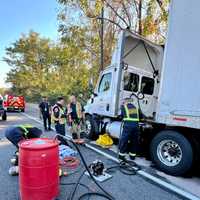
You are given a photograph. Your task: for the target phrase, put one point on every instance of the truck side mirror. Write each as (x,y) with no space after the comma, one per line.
(125,66)
(94,94)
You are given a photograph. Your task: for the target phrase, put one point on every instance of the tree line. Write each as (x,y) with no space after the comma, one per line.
(40,66)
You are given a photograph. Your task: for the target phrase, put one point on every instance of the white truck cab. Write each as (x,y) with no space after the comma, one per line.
(163,83)
(130,73)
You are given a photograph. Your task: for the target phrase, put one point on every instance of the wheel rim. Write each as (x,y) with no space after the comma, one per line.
(169,153)
(88,127)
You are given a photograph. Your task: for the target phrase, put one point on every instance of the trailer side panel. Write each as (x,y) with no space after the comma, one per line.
(179,97)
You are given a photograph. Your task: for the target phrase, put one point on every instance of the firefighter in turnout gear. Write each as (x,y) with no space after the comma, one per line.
(59,116)
(128,142)
(15,134)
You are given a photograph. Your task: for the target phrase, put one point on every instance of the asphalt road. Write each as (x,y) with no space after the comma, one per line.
(121,186)
(189,183)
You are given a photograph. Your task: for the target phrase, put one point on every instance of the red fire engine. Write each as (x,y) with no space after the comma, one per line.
(13,103)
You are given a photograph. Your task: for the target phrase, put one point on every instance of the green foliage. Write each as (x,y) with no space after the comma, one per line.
(40,67)
(155,21)
(2,91)
(43,67)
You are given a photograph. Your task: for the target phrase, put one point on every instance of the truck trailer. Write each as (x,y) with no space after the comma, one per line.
(163,82)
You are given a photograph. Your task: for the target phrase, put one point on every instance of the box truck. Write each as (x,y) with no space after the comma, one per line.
(164,82)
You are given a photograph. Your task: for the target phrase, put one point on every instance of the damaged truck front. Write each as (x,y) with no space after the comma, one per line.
(163,84)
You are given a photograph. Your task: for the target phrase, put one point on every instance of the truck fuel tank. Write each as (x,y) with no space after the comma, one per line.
(114,128)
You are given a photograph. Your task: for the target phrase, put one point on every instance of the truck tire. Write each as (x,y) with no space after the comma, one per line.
(172,152)
(22,110)
(91,128)
(4,116)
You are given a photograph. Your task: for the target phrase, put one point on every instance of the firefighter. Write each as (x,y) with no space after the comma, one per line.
(76,115)
(45,110)
(59,116)
(128,142)
(15,134)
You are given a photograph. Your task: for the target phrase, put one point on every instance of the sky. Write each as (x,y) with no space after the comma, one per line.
(21,16)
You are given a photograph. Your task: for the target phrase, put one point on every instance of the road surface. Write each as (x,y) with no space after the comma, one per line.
(122,187)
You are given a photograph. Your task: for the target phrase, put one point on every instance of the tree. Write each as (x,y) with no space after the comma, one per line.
(30,60)
(41,67)
(145,17)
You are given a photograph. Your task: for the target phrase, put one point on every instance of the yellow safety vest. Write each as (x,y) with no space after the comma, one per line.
(59,119)
(79,110)
(131,113)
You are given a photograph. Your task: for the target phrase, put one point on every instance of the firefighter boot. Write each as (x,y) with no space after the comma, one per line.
(14,171)
(132,156)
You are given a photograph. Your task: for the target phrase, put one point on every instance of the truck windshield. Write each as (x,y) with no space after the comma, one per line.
(131,82)
(105,83)
(147,85)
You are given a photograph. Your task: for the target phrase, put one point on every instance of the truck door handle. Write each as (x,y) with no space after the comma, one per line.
(107,107)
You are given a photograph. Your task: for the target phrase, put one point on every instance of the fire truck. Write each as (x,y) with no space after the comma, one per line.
(14,103)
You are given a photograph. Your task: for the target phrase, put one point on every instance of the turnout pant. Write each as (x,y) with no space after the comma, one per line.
(129,138)
(46,118)
(60,128)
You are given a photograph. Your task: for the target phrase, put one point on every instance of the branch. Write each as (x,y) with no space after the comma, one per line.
(160,5)
(136,8)
(116,13)
(111,21)
(127,14)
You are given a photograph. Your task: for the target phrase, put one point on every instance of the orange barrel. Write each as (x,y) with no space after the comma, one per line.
(38,169)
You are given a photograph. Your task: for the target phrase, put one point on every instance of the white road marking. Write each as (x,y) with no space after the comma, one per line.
(156,180)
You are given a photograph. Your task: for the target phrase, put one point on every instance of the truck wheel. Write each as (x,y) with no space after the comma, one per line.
(4,116)
(91,128)
(171,152)
(22,110)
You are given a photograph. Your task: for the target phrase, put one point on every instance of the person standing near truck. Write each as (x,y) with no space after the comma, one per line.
(75,116)
(45,110)
(15,134)
(129,139)
(59,116)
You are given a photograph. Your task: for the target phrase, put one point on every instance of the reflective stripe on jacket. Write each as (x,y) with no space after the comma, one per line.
(130,112)
(25,128)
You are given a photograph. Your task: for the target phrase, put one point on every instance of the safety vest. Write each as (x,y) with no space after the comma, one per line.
(78,110)
(59,119)
(25,128)
(131,113)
